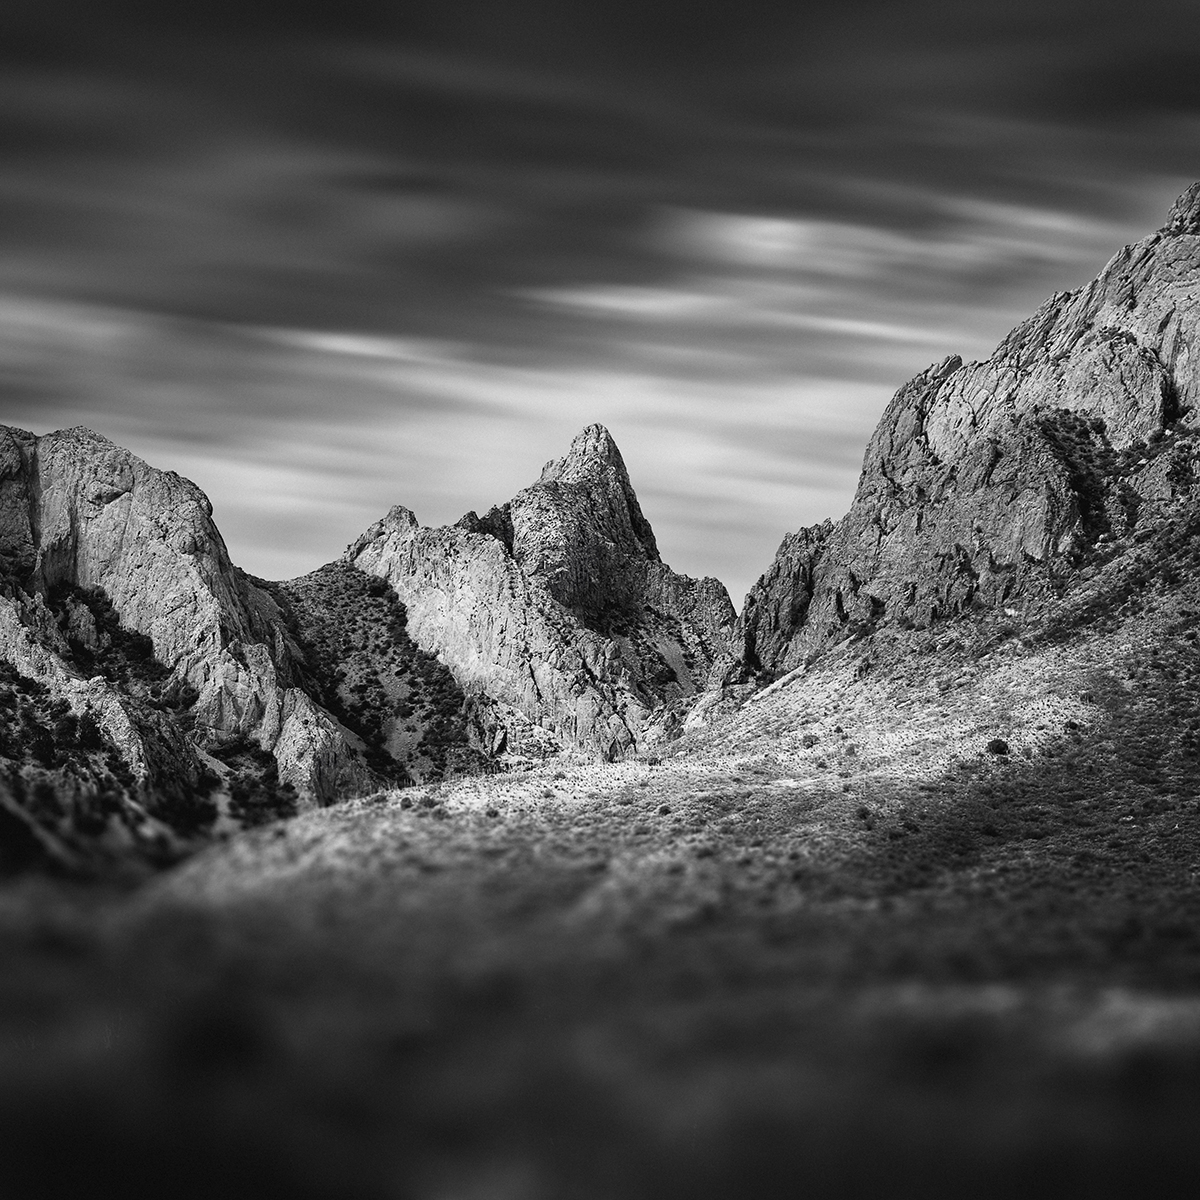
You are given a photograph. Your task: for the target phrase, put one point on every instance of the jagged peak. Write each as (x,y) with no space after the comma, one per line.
(594,458)
(399,515)
(83,433)
(398,519)
(591,447)
(1184,216)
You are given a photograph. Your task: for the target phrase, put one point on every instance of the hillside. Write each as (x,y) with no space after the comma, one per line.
(410,716)
(944,909)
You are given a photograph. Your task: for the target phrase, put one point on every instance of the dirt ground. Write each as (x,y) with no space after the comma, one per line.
(929,931)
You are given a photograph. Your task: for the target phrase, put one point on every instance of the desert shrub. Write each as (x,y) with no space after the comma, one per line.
(96,807)
(256,795)
(89,733)
(66,728)
(34,689)
(188,813)
(119,769)
(41,746)
(43,802)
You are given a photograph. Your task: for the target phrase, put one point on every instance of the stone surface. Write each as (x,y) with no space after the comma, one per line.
(554,613)
(558,604)
(984,481)
(76,510)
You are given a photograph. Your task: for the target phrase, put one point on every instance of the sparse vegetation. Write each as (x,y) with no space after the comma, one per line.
(920,921)
(256,796)
(920,936)
(405,705)
(69,777)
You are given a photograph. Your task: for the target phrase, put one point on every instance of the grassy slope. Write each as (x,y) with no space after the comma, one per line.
(831,945)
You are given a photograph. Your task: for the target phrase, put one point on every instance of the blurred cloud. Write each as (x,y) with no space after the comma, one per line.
(325,262)
(303,438)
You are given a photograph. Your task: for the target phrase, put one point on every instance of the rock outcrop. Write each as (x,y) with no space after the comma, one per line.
(150,690)
(79,515)
(400,706)
(986,484)
(557,606)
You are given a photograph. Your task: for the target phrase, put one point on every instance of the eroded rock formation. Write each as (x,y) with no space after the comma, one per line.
(80,515)
(986,482)
(557,604)
(153,689)
(143,677)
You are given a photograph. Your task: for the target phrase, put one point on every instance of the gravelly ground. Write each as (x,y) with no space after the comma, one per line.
(829,945)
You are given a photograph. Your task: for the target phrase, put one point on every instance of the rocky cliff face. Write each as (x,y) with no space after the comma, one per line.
(149,689)
(987,484)
(89,533)
(556,607)
(395,702)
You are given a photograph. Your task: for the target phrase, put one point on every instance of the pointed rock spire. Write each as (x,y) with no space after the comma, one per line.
(592,450)
(592,500)
(557,603)
(1184,216)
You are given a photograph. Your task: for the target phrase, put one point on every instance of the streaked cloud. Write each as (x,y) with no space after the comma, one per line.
(404,253)
(303,438)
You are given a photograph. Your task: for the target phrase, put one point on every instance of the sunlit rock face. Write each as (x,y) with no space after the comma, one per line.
(149,690)
(984,481)
(558,605)
(77,511)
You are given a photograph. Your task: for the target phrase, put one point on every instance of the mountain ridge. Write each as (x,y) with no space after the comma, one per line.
(986,483)
(1010,497)
(557,605)
(220,698)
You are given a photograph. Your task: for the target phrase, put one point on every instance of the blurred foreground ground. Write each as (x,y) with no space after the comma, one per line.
(830,945)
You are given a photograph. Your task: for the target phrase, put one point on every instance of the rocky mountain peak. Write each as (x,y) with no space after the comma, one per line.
(1184,216)
(591,449)
(112,570)
(557,604)
(592,479)
(986,485)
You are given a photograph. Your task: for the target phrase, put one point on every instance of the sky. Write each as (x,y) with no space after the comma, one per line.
(327,258)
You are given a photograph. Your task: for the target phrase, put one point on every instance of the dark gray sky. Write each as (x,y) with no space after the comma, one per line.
(327,260)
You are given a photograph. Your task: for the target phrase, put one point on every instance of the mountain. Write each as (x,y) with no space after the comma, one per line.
(557,606)
(989,486)
(154,692)
(913,911)
(146,675)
